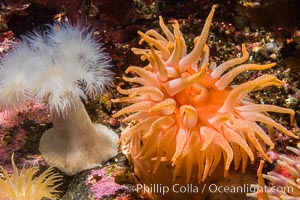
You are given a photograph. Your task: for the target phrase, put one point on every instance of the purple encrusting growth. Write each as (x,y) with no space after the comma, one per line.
(101,184)
(11,128)
(37,113)
(6,150)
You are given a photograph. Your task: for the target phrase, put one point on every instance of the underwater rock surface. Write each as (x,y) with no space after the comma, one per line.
(119,36)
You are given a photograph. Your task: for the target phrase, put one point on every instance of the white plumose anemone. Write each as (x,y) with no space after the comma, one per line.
(59,67)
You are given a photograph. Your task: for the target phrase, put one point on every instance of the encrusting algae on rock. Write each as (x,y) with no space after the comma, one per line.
(26,185)
(186,118)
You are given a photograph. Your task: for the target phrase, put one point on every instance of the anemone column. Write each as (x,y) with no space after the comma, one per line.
(75,143)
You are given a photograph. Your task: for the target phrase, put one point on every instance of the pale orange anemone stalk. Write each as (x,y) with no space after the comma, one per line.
(186,115)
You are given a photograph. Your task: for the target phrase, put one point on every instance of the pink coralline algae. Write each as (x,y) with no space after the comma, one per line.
(11,121)
(36,112)
(7,149)
(101,184)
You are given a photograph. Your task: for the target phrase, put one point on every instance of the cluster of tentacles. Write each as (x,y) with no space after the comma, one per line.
(284,185)
(185,112)
(24,184)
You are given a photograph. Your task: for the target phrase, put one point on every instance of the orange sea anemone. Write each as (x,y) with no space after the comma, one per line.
(186,116)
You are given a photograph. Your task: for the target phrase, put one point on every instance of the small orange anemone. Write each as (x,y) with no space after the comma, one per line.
(283,186)
(26,185)
(185,113)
